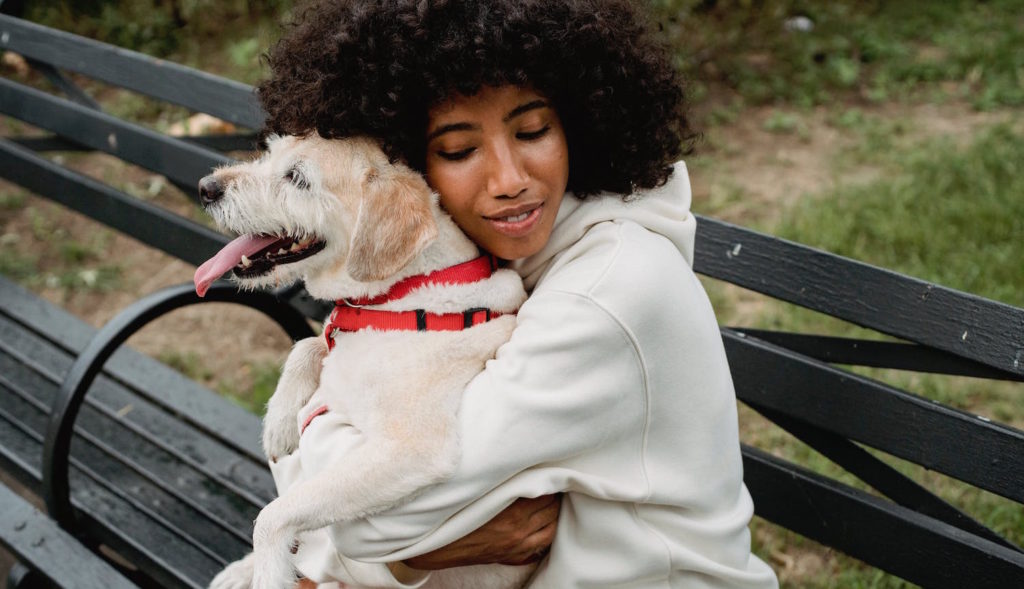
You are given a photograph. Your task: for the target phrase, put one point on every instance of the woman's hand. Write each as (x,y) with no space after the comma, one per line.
(520,534)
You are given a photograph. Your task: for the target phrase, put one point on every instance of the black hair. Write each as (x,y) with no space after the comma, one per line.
(375,67)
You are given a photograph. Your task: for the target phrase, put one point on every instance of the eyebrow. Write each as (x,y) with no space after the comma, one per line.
(515,112)
(522,108)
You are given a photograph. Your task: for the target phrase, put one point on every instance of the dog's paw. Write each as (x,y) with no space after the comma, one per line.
(273,570)
(237,575)
(280,434)
(299,380)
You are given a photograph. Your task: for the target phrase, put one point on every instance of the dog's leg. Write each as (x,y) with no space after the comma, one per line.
(299,380)
(237,575)
(377,475)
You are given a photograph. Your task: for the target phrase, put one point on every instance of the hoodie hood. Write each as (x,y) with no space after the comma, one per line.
(664,210)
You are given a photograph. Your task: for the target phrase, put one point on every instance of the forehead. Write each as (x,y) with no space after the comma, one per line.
(488,102)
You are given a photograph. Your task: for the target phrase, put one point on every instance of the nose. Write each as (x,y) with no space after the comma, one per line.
(508,176)
(210,190)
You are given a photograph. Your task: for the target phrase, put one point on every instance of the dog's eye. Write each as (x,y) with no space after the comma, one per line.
(295,176)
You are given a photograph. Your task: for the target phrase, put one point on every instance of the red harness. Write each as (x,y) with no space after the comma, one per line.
(349,315)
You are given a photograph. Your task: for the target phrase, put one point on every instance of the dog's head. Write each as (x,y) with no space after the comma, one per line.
(324,211)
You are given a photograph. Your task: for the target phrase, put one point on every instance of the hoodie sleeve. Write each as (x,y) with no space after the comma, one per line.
(568,384)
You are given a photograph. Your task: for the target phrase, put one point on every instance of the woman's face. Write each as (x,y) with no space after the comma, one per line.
(500,162)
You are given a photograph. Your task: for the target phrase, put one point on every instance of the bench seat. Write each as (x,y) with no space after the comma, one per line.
(167,474)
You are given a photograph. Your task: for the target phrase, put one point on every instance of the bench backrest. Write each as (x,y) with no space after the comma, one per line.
(795,380)
(78,123)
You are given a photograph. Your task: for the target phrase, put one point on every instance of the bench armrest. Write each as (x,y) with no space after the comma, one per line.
(66,404)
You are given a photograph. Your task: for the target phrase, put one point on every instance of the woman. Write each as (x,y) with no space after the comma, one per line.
(549,128)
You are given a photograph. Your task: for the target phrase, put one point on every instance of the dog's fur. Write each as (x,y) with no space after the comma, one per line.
(379,222)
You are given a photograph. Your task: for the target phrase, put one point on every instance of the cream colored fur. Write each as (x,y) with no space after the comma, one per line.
(402,390)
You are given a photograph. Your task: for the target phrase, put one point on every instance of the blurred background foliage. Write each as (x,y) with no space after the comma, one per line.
(808,53)
(769,51)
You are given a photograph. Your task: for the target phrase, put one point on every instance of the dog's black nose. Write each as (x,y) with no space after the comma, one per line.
(210,190)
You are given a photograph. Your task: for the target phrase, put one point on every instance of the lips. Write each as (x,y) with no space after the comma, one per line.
(517,221)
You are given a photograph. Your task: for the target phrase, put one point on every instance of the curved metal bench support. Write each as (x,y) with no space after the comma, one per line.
(56,492)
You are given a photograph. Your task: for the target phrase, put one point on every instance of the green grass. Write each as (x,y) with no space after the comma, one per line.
(250,388)
(947,214)
(261,380)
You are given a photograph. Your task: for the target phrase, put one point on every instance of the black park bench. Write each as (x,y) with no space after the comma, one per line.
(165,494)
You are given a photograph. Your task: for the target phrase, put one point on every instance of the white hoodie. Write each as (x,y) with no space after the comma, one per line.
(614,388)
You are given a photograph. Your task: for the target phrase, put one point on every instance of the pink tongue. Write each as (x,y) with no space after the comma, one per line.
(227,259)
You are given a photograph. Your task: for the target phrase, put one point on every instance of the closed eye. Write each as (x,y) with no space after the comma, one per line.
(455,156)
(530,135)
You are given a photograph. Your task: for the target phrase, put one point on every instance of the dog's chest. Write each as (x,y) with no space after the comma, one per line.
(405,368)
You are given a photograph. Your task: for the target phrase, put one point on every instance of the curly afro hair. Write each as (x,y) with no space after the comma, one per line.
(376,67)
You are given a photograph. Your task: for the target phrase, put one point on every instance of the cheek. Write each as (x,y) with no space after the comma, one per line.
(452,193)
(457,183)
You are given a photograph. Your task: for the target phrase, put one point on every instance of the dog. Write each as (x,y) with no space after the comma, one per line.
(370,235)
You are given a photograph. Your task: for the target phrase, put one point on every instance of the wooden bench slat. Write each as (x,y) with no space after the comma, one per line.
(34,538)
(117,411)
(880,416)
(169,494)
(194,405)
(913,546)
(876,354)
(179,237)
(880,476)
(63,83)
(183,491)
(167,557)
(110,401)
(219,143)
(908,308)
(18,450)
(117,506)
(164,80)
(180,161)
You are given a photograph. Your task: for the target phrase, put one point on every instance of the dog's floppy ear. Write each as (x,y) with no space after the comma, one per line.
(394,223)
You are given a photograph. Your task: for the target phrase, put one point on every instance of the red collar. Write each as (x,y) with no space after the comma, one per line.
(464,273)
(350,315)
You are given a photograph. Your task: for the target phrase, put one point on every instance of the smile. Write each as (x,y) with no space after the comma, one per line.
(517,223)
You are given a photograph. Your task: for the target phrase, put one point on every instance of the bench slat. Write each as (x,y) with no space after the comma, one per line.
(36,539)
(110,401)
(876,354)
(143,469)
(880,416)
(164,80)
(110,406)
(180,161)
(179,237)
(908,308)
(880,476)
(113,509)
(913,546)
(194,405)
(152,492)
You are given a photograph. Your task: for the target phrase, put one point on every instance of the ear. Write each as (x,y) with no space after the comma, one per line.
(394,223)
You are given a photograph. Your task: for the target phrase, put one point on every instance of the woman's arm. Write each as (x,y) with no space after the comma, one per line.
(520,534)
(566,384)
